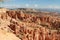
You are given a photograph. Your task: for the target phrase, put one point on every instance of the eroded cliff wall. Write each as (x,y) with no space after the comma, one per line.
(30,26)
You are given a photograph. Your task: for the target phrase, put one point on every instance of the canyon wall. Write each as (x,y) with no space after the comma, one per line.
(30,26)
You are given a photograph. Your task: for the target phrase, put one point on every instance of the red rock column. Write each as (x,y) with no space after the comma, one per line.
(43,33)
(24,38)
(17,28)
(30,36)
(53,36)
(40,35)
(36,34)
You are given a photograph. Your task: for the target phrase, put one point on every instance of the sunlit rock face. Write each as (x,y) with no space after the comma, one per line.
(27,26)
(3,10)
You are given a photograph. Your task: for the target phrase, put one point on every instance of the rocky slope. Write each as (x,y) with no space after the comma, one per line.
(28,26)
(4,35)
